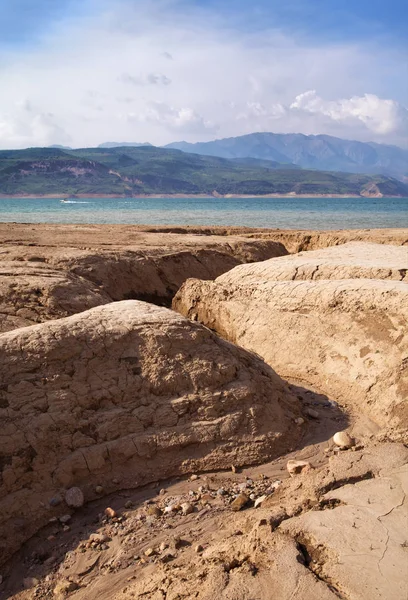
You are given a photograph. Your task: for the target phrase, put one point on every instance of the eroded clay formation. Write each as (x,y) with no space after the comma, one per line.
(346,334)
(122,395)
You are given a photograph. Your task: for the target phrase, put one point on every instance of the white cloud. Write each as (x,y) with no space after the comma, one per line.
(148,71)
(182,119)
(381,116)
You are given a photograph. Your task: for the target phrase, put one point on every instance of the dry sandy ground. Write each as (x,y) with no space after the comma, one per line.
(336,530)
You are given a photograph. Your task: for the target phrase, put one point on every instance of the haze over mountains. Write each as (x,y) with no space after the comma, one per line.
(322,152)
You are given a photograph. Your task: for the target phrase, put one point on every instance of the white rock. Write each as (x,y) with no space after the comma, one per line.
(259,501)
(343,440)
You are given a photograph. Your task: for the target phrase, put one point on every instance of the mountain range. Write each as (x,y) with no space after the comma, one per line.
(135,171)
(322,152)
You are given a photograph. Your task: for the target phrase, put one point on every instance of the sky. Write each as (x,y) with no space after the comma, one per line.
(84,72)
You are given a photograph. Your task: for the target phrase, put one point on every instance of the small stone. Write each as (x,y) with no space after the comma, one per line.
(129,504)
(163,546)
(66,528)
(167,557)
(74,497)
(99,538)
(193,477)
(110,513)
(162,492)
(150,552)
(259,501)
(312,413)
(30,582)
(240,501)
(198,549)
(295,467)
(233,469)
(221,492)
(99,489)
(343,440)
(187,508)
(154,511)
(252,497)
(242,487)
(55,501)
(170,509)
(65,519)
(299,421)
(115,481)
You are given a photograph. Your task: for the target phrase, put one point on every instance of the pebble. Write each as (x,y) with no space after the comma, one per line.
(298,466)
(99,489)
(129,504)
(64,519)
(259,501)
(240,501)
(150,552)
(312,413)
(30,582)
(55,501)
(154,511)
(163,546)
(299,421)
(74,497)
(343,440)
(198,548)
(221,492)
(99,538)
(242,487)
(233,469)
(187,508)
(193,477)
(109,512)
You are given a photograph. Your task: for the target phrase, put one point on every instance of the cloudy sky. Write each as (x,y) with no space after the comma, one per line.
(82,72)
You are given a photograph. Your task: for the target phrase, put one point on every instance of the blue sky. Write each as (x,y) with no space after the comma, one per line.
(25,21)
(83,71)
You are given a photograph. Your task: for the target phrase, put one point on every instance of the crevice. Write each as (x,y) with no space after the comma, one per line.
(334,485)
(314,559)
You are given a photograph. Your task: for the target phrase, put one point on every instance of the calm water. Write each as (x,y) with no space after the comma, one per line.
(290,213)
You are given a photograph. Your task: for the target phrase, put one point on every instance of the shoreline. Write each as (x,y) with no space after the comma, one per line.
(181,196)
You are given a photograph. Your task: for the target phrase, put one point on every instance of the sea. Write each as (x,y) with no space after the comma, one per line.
(283,213)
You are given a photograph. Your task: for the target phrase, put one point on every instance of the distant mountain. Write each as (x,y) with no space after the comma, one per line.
(123,144)
(60,147)
(130,171)
(322,152)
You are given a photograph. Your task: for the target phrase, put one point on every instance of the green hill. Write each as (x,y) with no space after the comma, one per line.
(133,171)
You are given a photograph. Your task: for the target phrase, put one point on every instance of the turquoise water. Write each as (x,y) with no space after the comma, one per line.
(284,213)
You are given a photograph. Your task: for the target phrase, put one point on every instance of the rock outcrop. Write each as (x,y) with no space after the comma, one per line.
(344,334)
(122,395)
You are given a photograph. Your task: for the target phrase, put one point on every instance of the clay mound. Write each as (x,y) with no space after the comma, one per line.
(347,338)
(31,292)
(355,260)
(122,395)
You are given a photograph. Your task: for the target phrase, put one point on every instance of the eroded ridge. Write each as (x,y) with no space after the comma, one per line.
(345,336)
(126,392)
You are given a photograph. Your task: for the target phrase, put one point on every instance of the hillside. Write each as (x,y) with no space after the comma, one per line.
(133,171)
(322,152)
